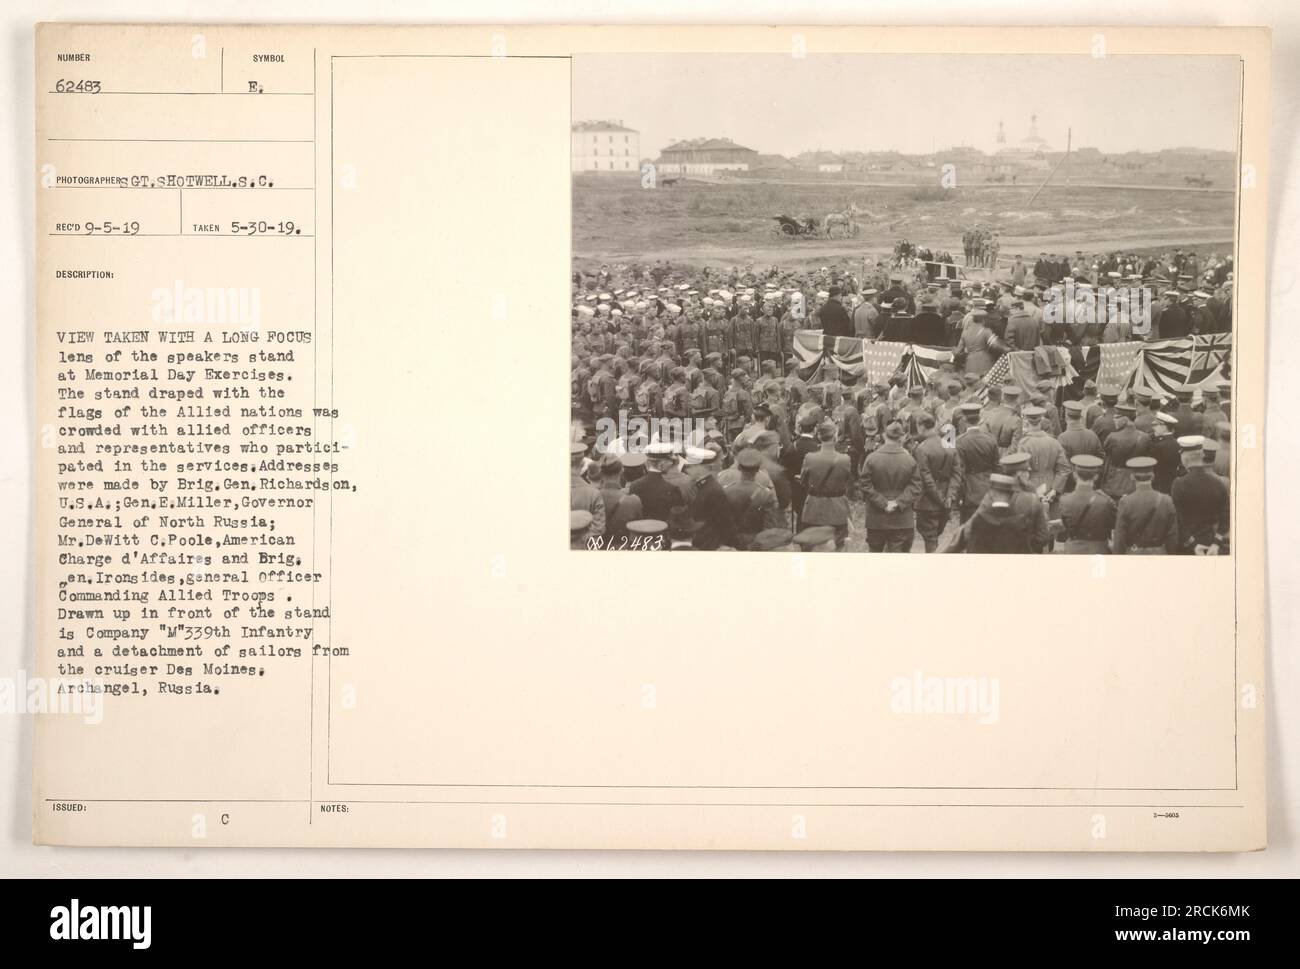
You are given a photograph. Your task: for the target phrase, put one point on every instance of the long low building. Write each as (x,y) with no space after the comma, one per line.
(705,156)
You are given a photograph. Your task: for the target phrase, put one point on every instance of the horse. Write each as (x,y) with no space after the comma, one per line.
(844,218)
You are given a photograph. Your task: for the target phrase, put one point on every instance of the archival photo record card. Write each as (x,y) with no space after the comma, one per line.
(990,300)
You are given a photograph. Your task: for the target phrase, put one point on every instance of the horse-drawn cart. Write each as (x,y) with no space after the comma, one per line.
(788,226)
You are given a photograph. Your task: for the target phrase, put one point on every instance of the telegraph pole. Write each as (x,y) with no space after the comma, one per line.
(1064,159)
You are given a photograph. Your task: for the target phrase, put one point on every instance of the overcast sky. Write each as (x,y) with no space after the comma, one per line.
(912,103)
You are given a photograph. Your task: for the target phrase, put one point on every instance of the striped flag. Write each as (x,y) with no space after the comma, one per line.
(815,362)
(919,364)
(1171,365)
(808,348)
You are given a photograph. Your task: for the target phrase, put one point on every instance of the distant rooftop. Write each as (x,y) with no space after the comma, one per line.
(601,126)
(696,144)
(819,158)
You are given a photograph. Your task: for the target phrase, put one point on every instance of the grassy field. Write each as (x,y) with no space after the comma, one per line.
(727,222)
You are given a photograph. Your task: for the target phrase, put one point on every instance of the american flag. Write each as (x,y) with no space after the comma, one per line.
(882,360)
(1118,364)
(998,375)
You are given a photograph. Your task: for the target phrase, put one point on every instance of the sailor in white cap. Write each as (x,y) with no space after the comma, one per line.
(1166,450)
(708,501)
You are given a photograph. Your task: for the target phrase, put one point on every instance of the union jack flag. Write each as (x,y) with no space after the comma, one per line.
(1209,353)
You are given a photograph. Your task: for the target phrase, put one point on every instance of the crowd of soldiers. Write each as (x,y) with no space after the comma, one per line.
(980,244)
(692,427)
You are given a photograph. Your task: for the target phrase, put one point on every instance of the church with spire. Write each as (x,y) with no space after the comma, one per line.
(1029,152)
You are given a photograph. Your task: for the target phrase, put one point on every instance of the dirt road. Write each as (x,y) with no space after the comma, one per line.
(825,251)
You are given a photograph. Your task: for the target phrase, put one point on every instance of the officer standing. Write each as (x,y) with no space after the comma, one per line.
(1211,413)
(835,319)
(620,507)
(1077,439)
(1002,415)
(1125,442)
(658,495)
(708,502)
(939,465)
(1200,498)
(1101,418)
(1164,448)
(1145,521)
(753,506)
(891,483)
(825,478)
(1049,468)
(1087,515)
(1189,422)
(737,406)
(978,452)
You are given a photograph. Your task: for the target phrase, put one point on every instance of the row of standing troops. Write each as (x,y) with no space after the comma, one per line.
(1110,479)
(733,330)
(1133,492)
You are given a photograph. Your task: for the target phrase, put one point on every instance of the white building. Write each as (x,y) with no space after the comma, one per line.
(1030,153)
(606,147)
(705,156)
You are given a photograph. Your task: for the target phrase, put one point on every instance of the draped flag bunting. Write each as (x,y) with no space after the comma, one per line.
(815,361)
(1162,367)
(878,360)
(1025,374)
(919,363)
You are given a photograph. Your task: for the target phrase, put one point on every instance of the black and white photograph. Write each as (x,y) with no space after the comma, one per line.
(288,605)
(903,303)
